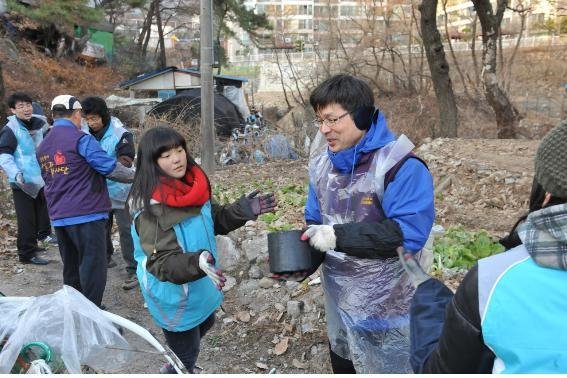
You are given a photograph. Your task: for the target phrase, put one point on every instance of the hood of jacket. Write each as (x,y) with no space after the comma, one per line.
(544,234)
(377,136)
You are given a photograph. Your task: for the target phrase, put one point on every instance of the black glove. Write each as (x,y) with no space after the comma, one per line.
(264,203)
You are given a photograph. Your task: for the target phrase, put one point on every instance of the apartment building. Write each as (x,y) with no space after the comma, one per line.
(460,15)
(304,25)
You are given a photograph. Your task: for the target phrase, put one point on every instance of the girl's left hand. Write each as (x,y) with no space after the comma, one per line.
(263,203)
(207,265)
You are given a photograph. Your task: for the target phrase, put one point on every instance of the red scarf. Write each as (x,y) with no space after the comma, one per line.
(191,190)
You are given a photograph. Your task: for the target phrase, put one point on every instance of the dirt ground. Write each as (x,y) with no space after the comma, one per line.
(481,184)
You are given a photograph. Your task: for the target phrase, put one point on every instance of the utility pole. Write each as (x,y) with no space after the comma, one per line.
(207,94)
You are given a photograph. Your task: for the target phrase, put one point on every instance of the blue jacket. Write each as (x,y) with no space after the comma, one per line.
(408,199)
(181,307)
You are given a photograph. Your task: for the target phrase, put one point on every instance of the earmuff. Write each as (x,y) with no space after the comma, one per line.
(364,116)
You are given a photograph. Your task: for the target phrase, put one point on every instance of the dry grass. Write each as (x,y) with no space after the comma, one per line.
(190,131)
(44,77)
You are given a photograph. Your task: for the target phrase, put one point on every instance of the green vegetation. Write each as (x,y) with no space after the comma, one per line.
(291,199)
(65,14)
(459,248)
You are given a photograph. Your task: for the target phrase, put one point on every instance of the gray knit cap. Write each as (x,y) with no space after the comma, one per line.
(551,161)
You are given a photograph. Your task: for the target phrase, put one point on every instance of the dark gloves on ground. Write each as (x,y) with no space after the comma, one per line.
(416,274)
(264,203)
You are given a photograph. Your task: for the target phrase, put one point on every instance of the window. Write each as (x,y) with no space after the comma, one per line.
(350,10)
(305,24)
(325,11)
(305,10)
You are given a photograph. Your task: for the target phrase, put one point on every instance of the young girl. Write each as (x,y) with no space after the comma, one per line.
(174,227)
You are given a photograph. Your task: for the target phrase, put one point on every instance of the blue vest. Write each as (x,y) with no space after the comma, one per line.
(175,307)
(24,155)
(522,307)
(72,187)
(117,191)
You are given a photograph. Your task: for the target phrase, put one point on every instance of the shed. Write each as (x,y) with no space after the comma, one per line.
(103,34)
(173,78)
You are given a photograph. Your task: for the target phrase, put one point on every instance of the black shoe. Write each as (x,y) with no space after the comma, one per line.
(33,260)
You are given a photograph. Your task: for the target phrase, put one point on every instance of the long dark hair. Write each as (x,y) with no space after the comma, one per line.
(153,143)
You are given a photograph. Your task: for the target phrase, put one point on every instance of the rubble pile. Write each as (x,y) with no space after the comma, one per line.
(480,183)
(276,320)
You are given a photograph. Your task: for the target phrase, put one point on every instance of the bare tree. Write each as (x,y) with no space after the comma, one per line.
(507,117)
(523,11)
(439,69)
(144,37)
(451,50)
(282,81)
(3,109)
(161,58)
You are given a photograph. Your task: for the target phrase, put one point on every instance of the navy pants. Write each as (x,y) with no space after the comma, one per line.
(186,344)
(83,251)
(33,221)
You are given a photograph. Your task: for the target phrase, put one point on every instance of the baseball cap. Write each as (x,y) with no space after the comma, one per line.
(65,102)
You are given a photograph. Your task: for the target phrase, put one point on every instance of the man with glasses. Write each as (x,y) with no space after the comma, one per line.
(74,167)
(118,143)
(368,194)
(18,141)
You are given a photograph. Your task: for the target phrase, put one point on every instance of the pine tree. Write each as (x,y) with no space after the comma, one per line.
(64,14)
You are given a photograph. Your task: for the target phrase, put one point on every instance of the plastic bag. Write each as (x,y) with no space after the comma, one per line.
(73,327)
(39,367)
(278,147)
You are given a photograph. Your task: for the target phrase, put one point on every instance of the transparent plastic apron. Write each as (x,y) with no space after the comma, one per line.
(366,300)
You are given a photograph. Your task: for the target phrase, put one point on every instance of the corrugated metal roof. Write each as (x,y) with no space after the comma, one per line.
(150,74)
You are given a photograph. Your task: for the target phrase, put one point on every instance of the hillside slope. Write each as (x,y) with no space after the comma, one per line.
(27,69)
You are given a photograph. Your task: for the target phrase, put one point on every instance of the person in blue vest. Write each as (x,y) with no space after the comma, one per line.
(18,142)
(508,314)
(118,143)
(367,195)
(74,166)
(174,227)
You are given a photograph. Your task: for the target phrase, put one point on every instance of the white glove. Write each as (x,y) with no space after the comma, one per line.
(321,237)
(20,178)
(207,265)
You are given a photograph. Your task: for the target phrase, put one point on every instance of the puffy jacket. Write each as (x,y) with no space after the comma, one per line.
(167,245)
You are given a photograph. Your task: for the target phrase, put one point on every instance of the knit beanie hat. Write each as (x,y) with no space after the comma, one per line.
(551,161)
